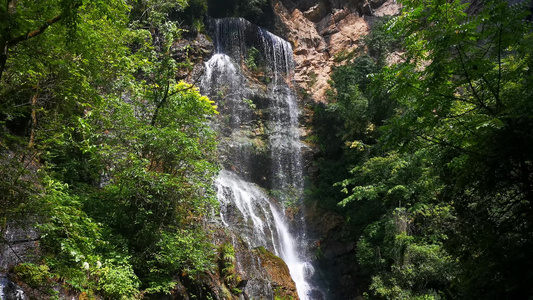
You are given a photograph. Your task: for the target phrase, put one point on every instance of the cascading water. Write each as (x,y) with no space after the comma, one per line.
(9,290)
(260,145)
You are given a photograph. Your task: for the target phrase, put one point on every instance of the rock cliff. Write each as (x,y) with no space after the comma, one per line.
(322,32)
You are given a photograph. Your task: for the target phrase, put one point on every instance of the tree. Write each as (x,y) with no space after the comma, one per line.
(464,113)
(161,176)
(107,151)
(49,81)
(474,104)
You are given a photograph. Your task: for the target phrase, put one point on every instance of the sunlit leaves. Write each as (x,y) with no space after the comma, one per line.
(118,280)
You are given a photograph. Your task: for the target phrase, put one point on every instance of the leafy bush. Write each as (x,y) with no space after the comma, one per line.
(111,155)
(227,265)
(253,60)
(35,276)
(118,281)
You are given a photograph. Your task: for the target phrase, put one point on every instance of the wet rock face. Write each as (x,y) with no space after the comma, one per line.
(257,274)
(335,254)
(194,50)
(18,245)
(9,290)
(249,78)
(322,31)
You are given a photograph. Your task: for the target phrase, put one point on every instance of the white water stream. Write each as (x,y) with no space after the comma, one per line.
(244,205)
(270,227)
(9,290)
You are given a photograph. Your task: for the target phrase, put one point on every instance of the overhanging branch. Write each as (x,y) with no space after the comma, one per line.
(33,33)
(26,36)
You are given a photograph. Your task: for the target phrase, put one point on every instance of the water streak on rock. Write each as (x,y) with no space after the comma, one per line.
(260,144)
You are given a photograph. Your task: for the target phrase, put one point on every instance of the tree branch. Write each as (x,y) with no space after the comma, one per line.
(11,248)
(437,141)
(161,103)
(5,46)
(33,33)
(474,91)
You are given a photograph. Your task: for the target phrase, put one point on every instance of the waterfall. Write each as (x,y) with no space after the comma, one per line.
(260,144)
(10,290)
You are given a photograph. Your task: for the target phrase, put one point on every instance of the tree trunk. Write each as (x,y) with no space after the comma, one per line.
(33,116)
(3,58)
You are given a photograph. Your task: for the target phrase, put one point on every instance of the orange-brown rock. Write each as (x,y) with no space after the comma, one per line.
(280,278)
(324,32)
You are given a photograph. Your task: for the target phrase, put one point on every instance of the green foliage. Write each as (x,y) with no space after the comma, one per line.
(358,106)
(161,170)
(445,187)
(118,281)
(16,188)
(250,103)
(404,255)
(396,180)
(227,267)
(380,42)
(279,294)
(35,276)
(153,12)
(186,251)
(103,147)
(252,9)
(254,60)
(473,109)
(193,15)
(69,235)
